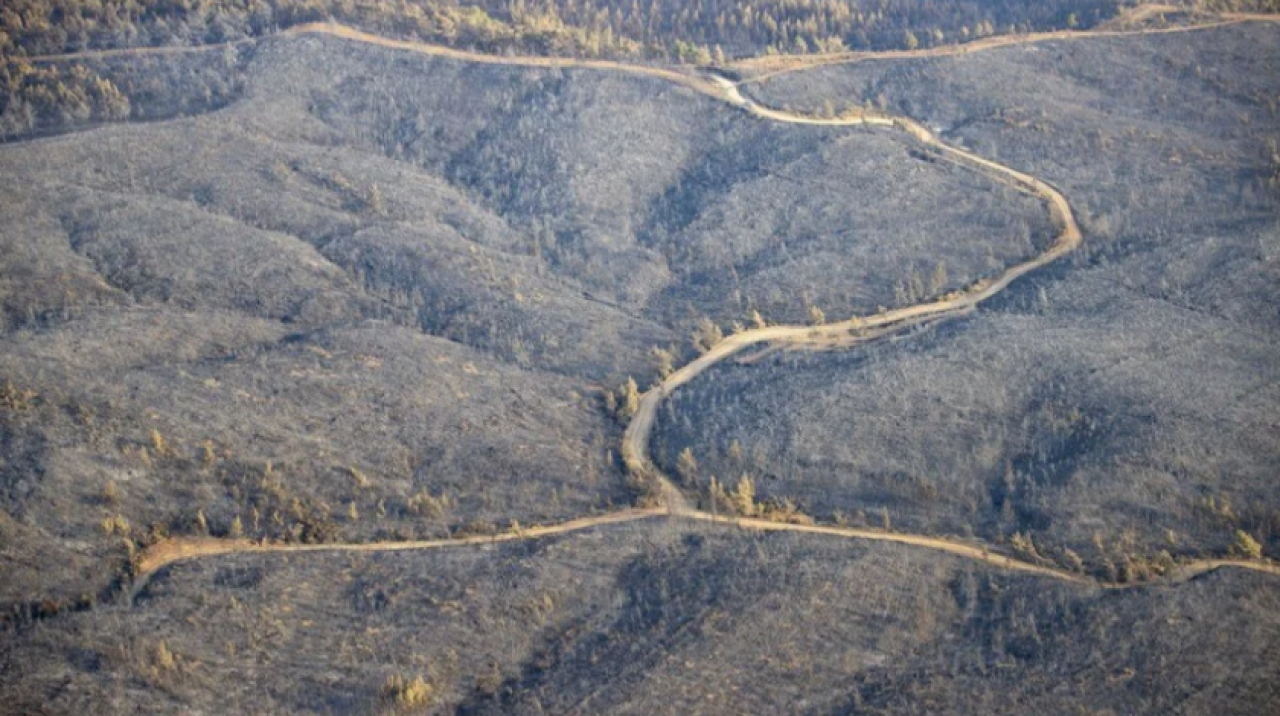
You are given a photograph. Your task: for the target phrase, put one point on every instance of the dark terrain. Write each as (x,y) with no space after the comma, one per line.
(422,272)
(331,293)
(1128,396)
(655,618)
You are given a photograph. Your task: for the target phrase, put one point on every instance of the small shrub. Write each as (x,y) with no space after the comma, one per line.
(163,659)
(400,692)
(1023,545)
(159,531)
(744,497)
(706,336)
(718,501)
(160,446)
(208,456)
(476,528)
(15,399)
(374,201)
(816,316)
(362,480)
(938,280)
(1073,561)
(646,487)
(116,525)
(1244,545)
(628,400)
(665,361)
(687,467)
(735,451)
(784,510)
(424,503)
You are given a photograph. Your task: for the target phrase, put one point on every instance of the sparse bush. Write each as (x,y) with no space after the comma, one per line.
(400,693)
(15,399)
(158,531)
(116,525)
(1024,546)
(1245,546)
(362,480)
(628,401)
(160,447)
(1073,561)
(735,452)
(706,335)
(375,203)
(744,497)
(718,501)
(938,280)
(1217,509)
(476,528)
(665,361)
(816,316)
(281,171)
(687,467)
(783,510)
(647,488)
(435,507)
(162,658)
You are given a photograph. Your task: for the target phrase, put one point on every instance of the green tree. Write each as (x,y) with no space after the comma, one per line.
(910,41)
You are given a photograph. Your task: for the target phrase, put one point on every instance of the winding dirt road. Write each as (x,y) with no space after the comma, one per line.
(759,69)
(179,549)
(635,444)
(845,333)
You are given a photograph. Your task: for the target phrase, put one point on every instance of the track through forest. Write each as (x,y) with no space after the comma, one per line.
(842,334)
(760,69)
